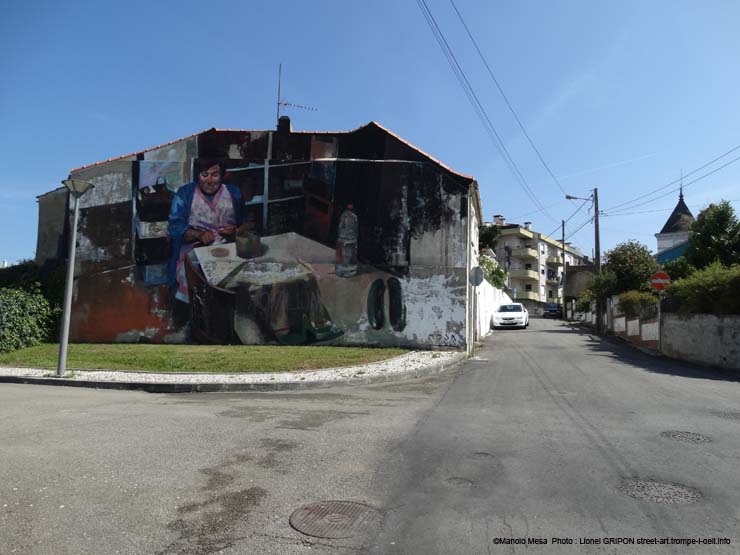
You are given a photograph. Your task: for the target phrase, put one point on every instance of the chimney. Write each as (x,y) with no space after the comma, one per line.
(284,125)
(528,226)
(498,219)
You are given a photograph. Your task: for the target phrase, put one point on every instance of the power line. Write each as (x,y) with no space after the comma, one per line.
(500,90)
(672,182)
(657,210)
(535,211)
(580,227)
(571,216)
(478,106)
(684,185)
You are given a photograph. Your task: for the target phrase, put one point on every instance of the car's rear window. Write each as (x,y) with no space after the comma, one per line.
(510,308)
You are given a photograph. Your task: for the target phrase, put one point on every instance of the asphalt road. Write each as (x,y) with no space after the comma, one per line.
(545,436)
(553,433)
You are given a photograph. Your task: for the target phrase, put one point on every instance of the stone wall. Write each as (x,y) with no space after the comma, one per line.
(702,338)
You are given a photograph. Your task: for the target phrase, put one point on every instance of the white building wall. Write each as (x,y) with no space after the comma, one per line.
(488,299)
(668,240)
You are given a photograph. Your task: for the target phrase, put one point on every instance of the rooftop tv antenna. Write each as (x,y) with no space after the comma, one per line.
(283,101)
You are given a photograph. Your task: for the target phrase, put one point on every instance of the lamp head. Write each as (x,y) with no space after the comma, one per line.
(77,187)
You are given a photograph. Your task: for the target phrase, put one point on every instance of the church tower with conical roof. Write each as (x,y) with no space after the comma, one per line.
(674,236)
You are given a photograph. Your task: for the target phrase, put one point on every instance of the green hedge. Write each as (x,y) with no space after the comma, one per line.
(711,290)
(630,302)
(25,318)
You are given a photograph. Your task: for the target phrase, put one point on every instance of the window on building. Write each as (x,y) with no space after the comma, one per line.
(549,294)
(527,266)
(527,287)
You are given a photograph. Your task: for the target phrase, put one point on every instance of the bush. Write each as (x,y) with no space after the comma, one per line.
(494,274)
(583,302)
(678,268)
(630,302)
(25,318)
(712,290)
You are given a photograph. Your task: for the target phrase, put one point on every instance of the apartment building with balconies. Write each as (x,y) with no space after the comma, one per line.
(534,262)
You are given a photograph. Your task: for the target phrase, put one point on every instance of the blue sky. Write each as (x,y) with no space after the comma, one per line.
(616,95)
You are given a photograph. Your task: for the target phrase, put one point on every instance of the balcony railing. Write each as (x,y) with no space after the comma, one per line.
(525,274)
(554,260)
(524,252)
(530,295)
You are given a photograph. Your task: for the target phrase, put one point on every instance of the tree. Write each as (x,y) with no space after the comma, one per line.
(715,235)
(678,268)
(603,285)
(494,274)
(632,265)
(488,236)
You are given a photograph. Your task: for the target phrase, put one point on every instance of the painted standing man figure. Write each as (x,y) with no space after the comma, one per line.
(203,212)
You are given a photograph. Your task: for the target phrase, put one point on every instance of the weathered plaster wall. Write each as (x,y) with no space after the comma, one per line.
(412,287)
(633,327)
(50,242)
(702,338)
(115,306)
(578,279)
(180,150)
(113,183)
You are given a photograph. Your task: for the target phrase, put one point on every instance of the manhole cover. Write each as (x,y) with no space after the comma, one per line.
(686,437)
(458,482)
(334,519)
(660,492)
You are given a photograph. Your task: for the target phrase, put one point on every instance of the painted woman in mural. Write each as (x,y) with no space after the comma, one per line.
(203,212)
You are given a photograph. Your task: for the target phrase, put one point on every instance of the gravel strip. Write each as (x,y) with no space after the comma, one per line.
(416,360)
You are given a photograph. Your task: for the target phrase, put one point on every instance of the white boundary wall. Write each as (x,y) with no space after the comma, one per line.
(488,300)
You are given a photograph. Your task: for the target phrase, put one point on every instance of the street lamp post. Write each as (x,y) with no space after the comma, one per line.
(597,247)
(77,188)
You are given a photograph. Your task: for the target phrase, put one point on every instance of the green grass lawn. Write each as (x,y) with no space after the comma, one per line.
(195,358)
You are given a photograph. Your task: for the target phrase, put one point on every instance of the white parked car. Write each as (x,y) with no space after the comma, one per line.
(512,315)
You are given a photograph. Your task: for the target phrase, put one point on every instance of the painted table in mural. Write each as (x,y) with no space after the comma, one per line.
(291,292)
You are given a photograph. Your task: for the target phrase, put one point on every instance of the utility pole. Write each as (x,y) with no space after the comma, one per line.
(597,261)
(565,308)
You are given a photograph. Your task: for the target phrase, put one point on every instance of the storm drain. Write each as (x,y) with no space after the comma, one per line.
(660,492)
(334,519)
(459,482)
(686,437)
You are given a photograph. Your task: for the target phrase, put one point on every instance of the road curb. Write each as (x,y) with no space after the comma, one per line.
(210,387)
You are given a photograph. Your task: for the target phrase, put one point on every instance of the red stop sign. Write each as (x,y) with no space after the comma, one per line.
(660,280)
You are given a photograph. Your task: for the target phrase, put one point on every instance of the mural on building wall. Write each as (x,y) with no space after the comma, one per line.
(331,261)
(315,248)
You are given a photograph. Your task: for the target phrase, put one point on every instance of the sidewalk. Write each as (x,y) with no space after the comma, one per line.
(405,367)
